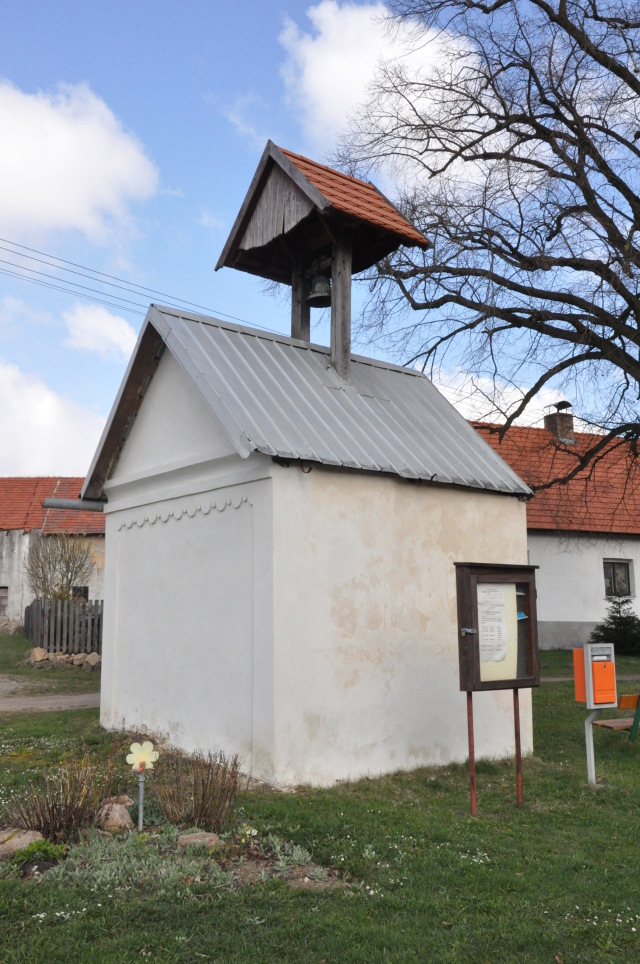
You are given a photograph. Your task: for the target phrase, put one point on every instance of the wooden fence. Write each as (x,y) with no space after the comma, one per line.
(65,626)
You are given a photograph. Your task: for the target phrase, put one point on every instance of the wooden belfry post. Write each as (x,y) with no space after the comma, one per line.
(341,306)
(300,310)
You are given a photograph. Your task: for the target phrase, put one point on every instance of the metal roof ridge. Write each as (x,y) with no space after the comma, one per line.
(281,338)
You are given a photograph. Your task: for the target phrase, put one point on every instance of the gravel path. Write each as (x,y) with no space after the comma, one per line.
(9,685)
(13,701)
(48,704)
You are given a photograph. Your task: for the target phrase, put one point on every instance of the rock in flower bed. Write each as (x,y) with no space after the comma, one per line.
(41,659)
(13,839)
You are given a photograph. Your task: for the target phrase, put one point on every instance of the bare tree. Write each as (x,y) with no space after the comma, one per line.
(55,565)
(518,144)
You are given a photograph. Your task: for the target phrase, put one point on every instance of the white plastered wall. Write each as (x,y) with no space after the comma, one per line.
(187,634)
(187,649)
(14,544)
(365,623)
(570,582)
(96,580)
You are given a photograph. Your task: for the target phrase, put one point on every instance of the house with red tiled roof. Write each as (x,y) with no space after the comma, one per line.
(23,517)
(585,534)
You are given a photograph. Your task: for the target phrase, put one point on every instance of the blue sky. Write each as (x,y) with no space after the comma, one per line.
(131,133)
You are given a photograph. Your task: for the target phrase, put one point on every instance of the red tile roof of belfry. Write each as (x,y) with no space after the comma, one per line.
(20,506)
(358,198)
(603,498)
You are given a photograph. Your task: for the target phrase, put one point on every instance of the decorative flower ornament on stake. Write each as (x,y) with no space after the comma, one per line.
(142,757)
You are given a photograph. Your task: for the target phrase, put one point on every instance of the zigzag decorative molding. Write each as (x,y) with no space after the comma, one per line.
(163,515)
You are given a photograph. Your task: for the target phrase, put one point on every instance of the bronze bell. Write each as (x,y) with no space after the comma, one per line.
(320,296)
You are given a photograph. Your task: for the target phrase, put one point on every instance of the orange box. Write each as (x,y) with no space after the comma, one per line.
(604,681)
(579,681)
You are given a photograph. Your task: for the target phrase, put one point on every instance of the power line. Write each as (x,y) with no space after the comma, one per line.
(44,284)
(109,297)
(76,284)
(83,274)
(129,284)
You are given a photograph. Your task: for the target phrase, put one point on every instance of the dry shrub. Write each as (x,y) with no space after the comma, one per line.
(199,790)
(64,802)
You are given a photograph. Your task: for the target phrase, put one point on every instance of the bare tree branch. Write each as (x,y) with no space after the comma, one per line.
(55,565)
(517,150)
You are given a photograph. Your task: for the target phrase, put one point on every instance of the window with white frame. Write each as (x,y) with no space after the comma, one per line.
(618,577)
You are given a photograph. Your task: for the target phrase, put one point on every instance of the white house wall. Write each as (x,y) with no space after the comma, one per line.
(187,638)
(96,580)
(187,635)
(570,581)
(365,623)
(14,544)
(173,426)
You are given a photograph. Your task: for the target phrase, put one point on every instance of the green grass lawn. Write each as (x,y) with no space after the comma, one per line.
(13,662)
(556,881)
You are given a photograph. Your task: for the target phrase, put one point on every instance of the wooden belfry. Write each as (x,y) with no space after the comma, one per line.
(302,221)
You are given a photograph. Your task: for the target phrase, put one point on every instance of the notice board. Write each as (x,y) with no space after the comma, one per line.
(497,626)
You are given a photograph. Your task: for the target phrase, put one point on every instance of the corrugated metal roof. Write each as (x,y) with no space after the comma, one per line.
(280,396)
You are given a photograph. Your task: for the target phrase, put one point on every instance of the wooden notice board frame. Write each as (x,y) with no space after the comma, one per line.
(497,618)
(470,576)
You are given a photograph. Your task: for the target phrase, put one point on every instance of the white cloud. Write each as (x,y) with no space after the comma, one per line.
(481,399)
(67,163)
(206,219)
(327,71)
(239,112)
(16,315)
(42,433)
(93,328)
(336,73)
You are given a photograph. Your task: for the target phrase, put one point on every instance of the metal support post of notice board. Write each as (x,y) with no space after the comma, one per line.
(472,750)
(516,721)
(472,754)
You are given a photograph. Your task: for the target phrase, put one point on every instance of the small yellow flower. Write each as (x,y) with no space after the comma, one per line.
(142,757)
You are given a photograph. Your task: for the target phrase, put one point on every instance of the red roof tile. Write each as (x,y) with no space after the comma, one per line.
(604,497)
(21,508)
(357,198)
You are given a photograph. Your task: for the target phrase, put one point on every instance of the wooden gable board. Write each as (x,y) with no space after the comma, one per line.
(272,156)
(279,208)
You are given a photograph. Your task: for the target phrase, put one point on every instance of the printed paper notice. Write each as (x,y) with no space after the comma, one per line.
(497,630)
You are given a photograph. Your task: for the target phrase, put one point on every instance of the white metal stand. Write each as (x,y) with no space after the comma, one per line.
(141,799)
(588,732)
